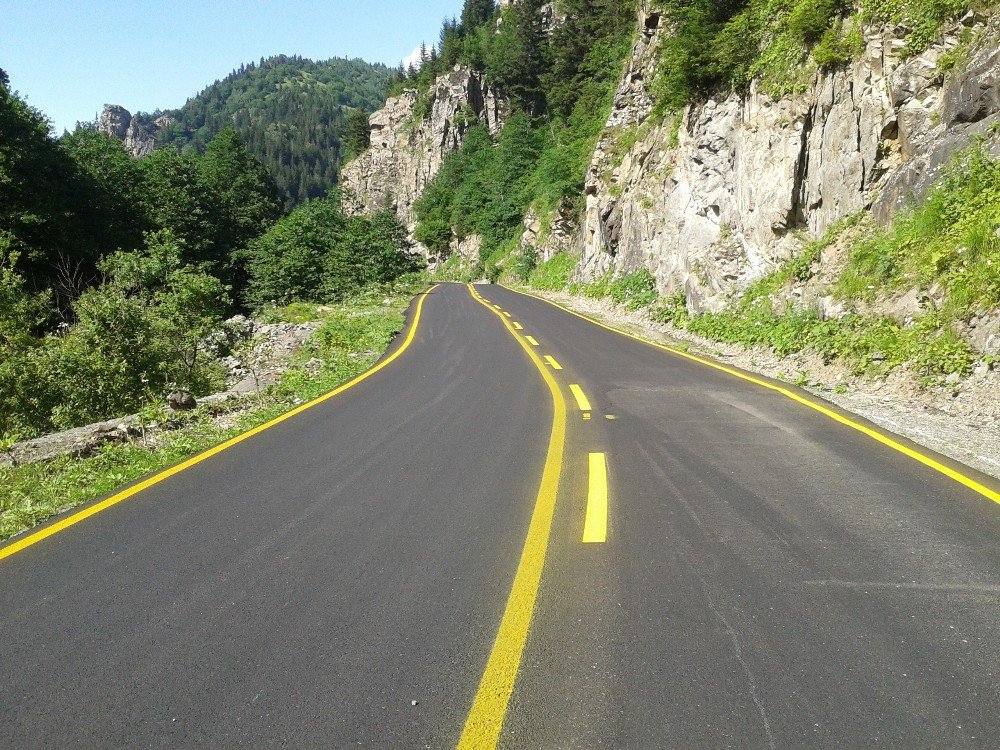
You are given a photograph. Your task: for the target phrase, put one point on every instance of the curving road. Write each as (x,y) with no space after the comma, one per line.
(403,565)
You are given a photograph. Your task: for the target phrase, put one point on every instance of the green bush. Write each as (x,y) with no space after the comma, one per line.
(136,336)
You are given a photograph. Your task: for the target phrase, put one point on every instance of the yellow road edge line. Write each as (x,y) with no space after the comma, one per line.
(485,721)
(551,361)
(135,489)
(581,398)
(518,326)
(595,527)
(926,460)
(532,340)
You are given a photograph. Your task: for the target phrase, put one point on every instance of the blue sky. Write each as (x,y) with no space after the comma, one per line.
(70,58)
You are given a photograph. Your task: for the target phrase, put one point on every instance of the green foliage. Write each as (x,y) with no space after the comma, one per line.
(62,203)
(524,263)
(350,340)
(553,274)
(357,134)
(949,239)
(317,253)
(633,290)
(561,83)
(672,310)
(291,112)
(136,335)
(717,45)
(922,18)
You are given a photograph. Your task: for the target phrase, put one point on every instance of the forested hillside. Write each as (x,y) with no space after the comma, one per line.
(291,112)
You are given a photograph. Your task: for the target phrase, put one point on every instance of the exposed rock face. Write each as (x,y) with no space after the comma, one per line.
(137,133)
(711,207)
(406,154)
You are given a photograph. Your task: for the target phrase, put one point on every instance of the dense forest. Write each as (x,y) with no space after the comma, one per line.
(291,112)
(116,273)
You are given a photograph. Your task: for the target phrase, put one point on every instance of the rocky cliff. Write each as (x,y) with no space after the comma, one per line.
(410,137)
(138,134)
(711,202)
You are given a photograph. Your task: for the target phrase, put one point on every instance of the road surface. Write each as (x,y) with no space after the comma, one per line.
(403,566)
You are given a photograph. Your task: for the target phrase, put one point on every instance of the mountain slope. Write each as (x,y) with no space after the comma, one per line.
(290,111)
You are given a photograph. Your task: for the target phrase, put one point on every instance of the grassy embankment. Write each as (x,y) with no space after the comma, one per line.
(352,337)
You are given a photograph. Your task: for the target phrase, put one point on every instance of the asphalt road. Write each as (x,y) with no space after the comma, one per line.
(361,575)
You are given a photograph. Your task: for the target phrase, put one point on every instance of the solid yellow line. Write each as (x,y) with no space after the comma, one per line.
(581,399)
(926,460)
(555,365)
(135,489)
(595,528)
(485,721)
(531,340)
(518,326)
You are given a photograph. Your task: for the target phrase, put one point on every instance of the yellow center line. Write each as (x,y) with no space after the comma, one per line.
(135,489)
(595,528)
(531,340)
(581,399)
(507,314)
(497,307)
(485,721)
(886,440)
(555,365)
(518,326)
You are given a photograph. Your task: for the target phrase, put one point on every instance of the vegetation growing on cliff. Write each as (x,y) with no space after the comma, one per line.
(716,45)
(946,247)
(560,78)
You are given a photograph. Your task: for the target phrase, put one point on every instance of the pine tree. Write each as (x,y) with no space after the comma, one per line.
(475,13)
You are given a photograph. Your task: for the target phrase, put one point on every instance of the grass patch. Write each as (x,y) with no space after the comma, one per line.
(553,275)
(351,339)
(632,290)
(949,240)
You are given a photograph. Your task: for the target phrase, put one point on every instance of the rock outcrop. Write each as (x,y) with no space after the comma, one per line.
(410,137)
(710,203)
(137,133)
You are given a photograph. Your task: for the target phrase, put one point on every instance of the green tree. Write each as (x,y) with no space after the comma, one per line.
(476,13)
(518,56)
(177,198)
(316,253)
(249,199)
(357,133)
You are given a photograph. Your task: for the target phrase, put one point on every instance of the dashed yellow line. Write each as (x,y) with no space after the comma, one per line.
(886,440)
(135,489)
(581,399)
(595,527)
(508,315)
(551,361)
(485,721)
(518,326)
(531,340)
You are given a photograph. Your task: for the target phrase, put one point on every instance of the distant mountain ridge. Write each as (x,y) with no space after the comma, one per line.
(290,111)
